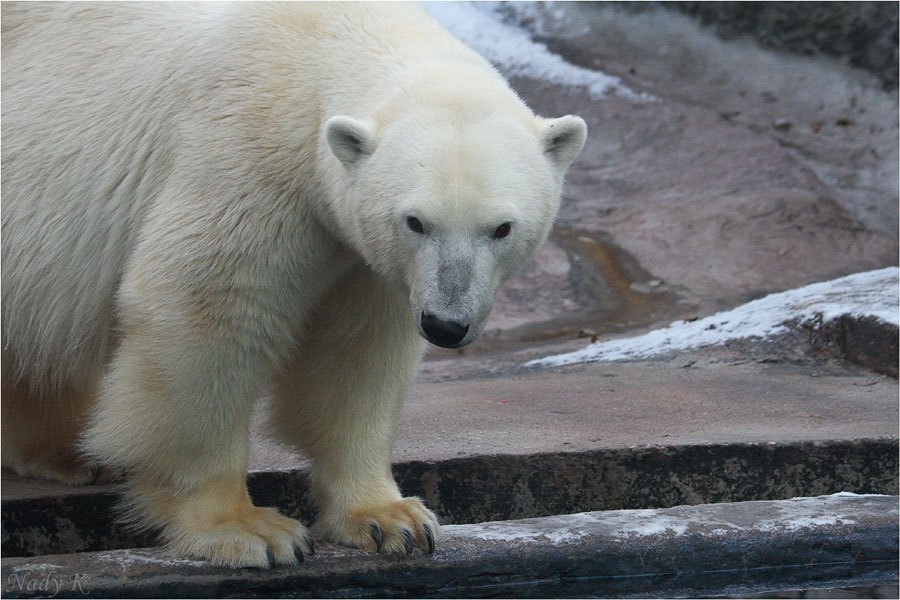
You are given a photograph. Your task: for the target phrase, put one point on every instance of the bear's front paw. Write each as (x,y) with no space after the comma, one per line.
(216,521)
(259,537)
(393,528)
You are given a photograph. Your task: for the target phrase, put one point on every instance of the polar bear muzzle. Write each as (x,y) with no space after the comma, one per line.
(446,334)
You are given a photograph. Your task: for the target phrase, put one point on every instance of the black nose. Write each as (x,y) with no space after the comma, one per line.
(446,334)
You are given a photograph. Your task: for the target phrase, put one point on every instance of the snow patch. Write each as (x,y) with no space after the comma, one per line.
(633,525)
(841,495)
(525,532)
(650,524)
(797,523)
(131,558)
(480,26)
(870,294)
(31,567)
(557,529)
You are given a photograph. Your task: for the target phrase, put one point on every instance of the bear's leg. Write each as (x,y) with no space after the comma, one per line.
(338,401)
(40,429)
(175,416)
(175,413)
(202,326)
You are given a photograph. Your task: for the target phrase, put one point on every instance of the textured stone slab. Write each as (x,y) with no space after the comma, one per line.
(699,549)
(492,488)
(750,172)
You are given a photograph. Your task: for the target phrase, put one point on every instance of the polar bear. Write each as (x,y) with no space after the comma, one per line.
(204,204)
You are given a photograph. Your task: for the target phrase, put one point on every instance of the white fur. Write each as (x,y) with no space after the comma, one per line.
(205,202)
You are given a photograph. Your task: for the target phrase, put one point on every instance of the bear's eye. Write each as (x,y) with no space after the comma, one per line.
(415,225)
(502,231)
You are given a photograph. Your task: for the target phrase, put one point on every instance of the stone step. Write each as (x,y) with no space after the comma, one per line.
(709,549)
(41,518)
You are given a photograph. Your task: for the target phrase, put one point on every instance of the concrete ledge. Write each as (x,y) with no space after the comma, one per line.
(695,549)
(501,487)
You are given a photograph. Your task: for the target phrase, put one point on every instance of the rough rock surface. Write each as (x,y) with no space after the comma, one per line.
(863,34)
(741,172)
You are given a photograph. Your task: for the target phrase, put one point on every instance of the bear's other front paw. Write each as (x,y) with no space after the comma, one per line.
(259,537)
(216,521)
(393,528)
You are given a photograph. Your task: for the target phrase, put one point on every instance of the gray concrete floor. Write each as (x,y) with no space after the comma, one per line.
(710,396)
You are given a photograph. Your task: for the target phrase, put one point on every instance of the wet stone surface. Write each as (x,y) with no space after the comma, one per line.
(491,488)
(685,550)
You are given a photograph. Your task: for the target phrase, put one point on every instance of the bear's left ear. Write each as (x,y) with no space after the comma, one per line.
(562,140)
(350,139)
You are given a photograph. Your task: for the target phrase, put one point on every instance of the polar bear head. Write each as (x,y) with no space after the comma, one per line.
(449,206)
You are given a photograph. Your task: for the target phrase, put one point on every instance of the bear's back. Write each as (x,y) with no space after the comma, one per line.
(107,104)
(92,114)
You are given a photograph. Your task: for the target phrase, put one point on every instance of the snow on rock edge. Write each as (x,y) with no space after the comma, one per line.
(870,294)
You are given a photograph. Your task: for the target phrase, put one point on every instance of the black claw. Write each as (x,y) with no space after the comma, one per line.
(407,540)
(270,556)
(429,537)
(309,544)
(375,532)
(298,554)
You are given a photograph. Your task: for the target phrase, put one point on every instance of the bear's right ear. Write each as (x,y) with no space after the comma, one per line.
(350,139)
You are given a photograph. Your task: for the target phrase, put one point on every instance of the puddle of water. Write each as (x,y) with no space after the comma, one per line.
(625,295)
